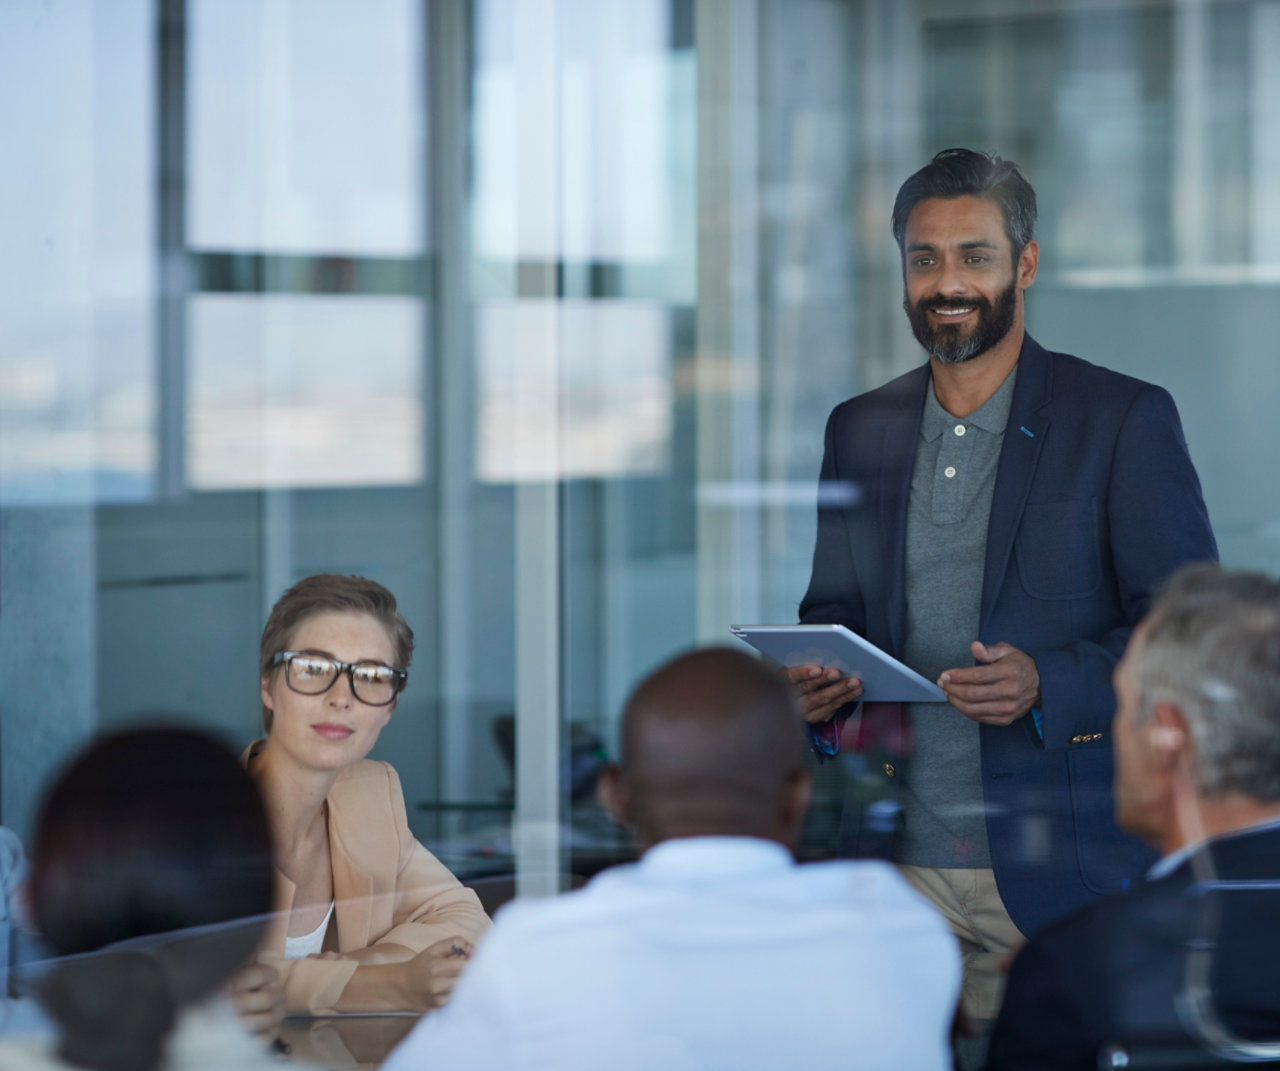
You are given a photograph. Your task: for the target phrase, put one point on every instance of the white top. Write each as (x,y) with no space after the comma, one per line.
(309,944)
(711,952)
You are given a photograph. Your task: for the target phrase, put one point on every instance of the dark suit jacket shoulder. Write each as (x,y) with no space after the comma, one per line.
(1112,971)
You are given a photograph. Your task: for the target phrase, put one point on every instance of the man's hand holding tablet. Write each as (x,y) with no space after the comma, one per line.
(823,691)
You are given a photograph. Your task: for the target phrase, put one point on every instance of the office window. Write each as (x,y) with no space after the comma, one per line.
(303,391)
(77,261)
(305,126)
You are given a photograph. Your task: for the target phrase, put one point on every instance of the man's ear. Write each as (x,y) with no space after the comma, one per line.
(1168,730)
(1028,264)
(612,795)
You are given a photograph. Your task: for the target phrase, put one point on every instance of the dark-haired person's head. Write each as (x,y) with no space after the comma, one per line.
(151,853)
(330,594)
(956,173)
(711,746)
(965,226)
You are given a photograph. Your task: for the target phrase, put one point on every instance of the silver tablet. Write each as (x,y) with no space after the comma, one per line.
(884,678)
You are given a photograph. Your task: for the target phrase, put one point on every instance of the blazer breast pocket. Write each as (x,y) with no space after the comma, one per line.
(1057,549)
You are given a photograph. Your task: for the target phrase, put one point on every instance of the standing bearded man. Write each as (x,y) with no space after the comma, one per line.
(1007,514)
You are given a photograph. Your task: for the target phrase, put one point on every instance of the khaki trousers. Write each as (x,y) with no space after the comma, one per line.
(972,907)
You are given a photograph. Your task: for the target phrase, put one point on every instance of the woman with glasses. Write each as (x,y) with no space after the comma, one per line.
(369,919)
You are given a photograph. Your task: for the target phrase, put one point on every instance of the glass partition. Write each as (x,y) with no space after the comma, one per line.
(534,311)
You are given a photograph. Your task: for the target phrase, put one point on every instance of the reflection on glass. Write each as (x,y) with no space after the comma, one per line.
(1080,98)
(1152,134)
(571,389)
(303,392)
(1141,125)
(77,398)
(619,136)
(305,125)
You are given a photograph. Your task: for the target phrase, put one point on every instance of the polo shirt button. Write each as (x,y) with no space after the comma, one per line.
(889,769)
(959,429)
(949,471)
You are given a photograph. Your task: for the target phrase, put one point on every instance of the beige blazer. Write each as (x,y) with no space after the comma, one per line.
(386,887)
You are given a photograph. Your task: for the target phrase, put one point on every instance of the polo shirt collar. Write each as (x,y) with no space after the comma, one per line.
(991,416)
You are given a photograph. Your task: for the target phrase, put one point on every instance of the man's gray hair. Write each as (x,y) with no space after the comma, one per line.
(1212,648)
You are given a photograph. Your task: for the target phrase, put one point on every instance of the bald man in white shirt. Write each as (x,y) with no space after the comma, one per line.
(715,950)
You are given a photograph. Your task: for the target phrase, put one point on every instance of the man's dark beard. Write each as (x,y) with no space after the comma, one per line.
(946,342)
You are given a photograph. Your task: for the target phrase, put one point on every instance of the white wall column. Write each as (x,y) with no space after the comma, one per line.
(450,396)
(1190,84)
(728,372)
(1264,144)
(538,719)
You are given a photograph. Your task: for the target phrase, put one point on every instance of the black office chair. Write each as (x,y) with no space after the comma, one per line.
(1218,1046)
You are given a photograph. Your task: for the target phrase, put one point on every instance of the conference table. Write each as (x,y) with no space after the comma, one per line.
(343,1042)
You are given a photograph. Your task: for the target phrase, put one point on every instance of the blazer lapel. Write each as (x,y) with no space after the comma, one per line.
(1023,437)
(353,894)
(897,459)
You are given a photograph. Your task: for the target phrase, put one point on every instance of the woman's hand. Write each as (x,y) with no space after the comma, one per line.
(429,977)
(258,998)
(418,984)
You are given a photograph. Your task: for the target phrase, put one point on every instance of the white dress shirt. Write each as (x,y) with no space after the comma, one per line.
(1167,864)
(711,952)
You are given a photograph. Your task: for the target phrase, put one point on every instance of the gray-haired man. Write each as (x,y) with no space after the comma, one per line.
(1192,952)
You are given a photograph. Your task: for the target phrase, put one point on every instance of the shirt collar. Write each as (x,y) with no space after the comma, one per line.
(991,416)
(704,856)
(1167,864)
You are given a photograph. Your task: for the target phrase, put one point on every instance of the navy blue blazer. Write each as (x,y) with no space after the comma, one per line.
(1112,972)
(1096,503)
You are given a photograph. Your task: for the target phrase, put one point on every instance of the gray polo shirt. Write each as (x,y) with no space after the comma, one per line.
(951,487)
